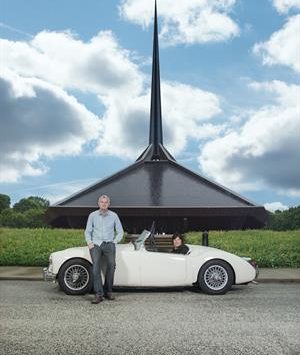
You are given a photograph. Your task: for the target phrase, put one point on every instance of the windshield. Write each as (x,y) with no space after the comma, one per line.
(141,239)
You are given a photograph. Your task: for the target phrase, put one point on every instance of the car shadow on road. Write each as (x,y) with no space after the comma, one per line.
(57,293)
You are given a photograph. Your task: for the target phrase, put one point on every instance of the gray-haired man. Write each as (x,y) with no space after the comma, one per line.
(103,231)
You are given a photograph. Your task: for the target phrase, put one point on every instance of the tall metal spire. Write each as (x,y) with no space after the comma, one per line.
(155,150)
(156,135)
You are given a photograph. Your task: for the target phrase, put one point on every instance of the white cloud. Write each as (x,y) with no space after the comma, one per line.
(186,114)
(39,120)
(283,6)
(283,46)
(48,66)
(38,117)
(262,152)
(193,21)
(275,206)
(99,66)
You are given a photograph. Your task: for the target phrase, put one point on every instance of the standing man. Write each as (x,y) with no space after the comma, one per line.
(103,231)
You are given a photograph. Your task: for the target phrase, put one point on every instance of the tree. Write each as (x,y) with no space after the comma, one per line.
(4,202)
(35,218)
(11,218)
(285,220)
(32,202)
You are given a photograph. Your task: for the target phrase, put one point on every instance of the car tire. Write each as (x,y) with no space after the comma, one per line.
(215,277)
(75,277)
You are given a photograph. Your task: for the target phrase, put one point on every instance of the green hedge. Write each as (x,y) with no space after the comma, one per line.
(270,249)
(32,246)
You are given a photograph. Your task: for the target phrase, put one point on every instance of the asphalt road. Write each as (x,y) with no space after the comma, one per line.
(37,318)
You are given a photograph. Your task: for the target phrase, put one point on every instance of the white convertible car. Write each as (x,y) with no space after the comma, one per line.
(214,271)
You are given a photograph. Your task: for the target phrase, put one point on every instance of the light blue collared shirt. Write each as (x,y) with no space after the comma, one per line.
(103,228)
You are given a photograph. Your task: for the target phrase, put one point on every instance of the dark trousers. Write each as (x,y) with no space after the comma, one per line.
(107,250)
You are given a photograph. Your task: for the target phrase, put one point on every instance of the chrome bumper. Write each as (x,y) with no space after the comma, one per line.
(48,275)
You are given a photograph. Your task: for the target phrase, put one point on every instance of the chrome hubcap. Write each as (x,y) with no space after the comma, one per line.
(76,277)
(216,277)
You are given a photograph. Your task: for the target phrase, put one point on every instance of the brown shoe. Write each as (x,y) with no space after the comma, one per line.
(97,299)
(110,297)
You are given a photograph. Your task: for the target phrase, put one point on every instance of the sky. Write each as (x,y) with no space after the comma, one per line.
(75,93)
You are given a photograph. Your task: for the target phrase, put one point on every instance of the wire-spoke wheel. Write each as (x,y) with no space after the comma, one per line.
(215,277)
(75,277)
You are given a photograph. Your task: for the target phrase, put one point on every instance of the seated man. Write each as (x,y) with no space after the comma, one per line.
(178,246)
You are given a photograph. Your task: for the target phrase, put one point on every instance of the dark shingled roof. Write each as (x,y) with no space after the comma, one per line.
(157,188)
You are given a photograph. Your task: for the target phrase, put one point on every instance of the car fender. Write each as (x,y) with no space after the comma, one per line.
(199,255)
(60,257)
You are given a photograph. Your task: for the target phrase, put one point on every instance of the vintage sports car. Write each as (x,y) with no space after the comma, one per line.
(212,270)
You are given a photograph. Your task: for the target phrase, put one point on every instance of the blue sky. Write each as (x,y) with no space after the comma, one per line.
(74,93)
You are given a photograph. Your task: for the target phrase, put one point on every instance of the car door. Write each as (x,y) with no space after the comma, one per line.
(162,269)
(127,266)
